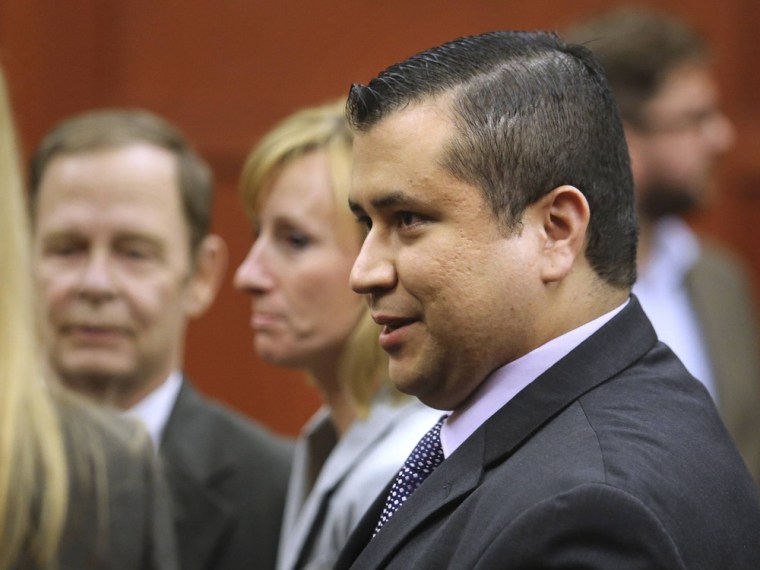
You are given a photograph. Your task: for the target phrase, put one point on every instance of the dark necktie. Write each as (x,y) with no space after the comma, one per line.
(425,457)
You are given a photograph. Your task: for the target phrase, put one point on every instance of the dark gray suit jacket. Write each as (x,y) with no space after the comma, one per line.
(228,478)
(613,458)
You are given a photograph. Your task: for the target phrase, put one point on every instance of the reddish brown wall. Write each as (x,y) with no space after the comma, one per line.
(227,71)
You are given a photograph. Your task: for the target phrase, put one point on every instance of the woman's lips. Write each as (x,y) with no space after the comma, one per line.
(263,321)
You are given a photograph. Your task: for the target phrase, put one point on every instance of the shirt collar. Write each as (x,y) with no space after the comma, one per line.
(154,410)
(675,249)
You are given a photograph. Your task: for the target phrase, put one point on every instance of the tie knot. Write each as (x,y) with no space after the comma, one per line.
(425,457)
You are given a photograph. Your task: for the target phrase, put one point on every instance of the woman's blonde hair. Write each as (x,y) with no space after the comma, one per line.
(33,468)
(363,365)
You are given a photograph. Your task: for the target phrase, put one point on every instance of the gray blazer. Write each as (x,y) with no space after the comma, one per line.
(119,514)
(349,472)
(613,458)
(722,298)
(228,479)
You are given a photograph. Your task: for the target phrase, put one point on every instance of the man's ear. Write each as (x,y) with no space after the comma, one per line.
(565,215)
(208,271)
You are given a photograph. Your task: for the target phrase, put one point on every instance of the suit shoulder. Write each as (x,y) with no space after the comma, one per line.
(721,262)
(215,426)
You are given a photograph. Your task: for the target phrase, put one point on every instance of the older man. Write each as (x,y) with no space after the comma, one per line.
(123,259)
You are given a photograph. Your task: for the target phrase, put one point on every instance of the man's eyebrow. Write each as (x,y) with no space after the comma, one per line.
(390,200)
(61,235)
(149,239)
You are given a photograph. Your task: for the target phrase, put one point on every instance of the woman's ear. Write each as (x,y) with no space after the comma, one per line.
(565,215)
(208,270)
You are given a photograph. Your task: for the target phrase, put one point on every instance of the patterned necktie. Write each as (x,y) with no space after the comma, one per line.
(425,457)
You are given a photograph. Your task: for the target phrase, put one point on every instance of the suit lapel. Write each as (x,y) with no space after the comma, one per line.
(305,502)
(454,479)
(201,517)
(716,310)
(350,450)
(624,339)
(361,536)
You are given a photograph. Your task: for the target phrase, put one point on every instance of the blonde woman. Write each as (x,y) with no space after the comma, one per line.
(78,489)
(304,315)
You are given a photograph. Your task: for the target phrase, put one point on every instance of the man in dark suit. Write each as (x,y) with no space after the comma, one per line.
(696,293)
(493,175)
(123,259)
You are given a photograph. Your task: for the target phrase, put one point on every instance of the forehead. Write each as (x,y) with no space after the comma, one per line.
(402,150)
(302,195)
(302,186)
(134,185)
(686,87)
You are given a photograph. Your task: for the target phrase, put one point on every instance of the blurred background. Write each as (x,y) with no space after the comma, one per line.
(226,71)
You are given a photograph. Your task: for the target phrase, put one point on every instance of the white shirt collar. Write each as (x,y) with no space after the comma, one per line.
(505,382)
(662,292)
(675,249)
(154,410)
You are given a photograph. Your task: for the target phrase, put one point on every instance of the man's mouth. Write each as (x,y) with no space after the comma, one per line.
(94,332)
(395,330)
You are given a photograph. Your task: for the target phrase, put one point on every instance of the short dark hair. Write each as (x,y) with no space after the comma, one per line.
(531,113)
(114,128)
(638,49)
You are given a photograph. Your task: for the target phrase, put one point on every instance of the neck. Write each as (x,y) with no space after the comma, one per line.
(342,409)
(120,393)
(582,298)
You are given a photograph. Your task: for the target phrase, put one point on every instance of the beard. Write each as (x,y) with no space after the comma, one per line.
(660,199)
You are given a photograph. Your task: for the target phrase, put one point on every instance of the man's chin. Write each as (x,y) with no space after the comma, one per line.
(411,382)
(103,383)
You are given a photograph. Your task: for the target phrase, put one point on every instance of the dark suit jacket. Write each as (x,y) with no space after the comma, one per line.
(721,295)
(228,478)
(119,513)
(613,458)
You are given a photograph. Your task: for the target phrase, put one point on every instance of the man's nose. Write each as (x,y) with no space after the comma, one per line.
(97,278)
(722,133)
(374,268)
